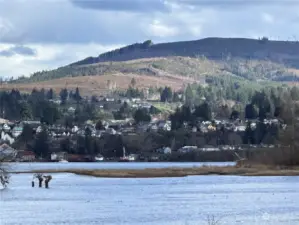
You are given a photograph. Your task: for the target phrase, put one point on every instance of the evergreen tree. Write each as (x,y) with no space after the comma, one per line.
(141,115)
(250,112)
(166,95)
(63,95)
(50,94)
(41,144)
(133,82)
(77,96)
(189,95)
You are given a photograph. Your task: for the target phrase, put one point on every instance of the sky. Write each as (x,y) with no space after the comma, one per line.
(40,35)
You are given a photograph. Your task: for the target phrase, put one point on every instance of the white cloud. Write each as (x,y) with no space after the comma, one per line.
(47,57)
(267,18)
(64,31)
(158,29)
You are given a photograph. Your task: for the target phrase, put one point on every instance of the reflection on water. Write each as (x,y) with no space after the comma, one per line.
(109,165)
(78,200)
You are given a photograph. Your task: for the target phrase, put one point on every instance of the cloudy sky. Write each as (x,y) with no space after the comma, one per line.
(45,34)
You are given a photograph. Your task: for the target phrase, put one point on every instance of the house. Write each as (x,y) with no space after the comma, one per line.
(75,129)
(31,123)
(71,110)
(164,125)
(240,128)
(3,121)
(5,127)
(194,129)
(110,131)
(208,148)
(7,153)
(187,149)
(211,128)
(25,156)
(39,129)
(109,99)
(57,101)
(17,131)
(58,156)
(135,100)
(153,127)
(164,150)
(6,138)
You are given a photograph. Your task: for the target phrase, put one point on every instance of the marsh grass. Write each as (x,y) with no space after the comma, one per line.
(246,170)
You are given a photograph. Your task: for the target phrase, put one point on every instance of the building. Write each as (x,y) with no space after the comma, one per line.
(71,110)
(6,128)
(187,149)
(59,156)
(164,150)
(6,138)
(17,131)
(25,156)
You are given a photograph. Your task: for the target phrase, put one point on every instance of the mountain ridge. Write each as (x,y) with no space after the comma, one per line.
(251,60)
(212,48)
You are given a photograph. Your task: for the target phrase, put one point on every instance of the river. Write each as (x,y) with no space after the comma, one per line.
(83,200)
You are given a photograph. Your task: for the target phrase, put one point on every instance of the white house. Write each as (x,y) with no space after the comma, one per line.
(240,128)
(187,149)
(17,131)
(75,129)
(5,127)
(71,110)
(58,156)
(39,129)
(7,138)
(165,150)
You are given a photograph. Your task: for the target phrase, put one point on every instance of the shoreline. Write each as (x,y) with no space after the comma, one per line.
(176,172)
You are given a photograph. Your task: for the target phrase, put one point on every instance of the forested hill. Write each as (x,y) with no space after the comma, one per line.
(170,64)
(286,52)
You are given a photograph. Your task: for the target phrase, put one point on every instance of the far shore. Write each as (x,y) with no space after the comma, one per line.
(259,170)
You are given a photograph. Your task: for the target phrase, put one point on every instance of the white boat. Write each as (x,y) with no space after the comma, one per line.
(63,161)
(99,158)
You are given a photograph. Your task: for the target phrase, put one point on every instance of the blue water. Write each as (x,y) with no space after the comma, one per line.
(82,200)
(109,165)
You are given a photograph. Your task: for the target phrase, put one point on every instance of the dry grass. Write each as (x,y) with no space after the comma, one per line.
(175,72)
(90,85)
(180,172)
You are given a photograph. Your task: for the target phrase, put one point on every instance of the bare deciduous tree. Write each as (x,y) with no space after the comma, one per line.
(4,174)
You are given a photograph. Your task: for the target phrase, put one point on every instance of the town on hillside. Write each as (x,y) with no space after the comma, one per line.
(195,124)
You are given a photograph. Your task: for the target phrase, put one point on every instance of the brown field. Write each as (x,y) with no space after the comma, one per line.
(181,172)
(90,85)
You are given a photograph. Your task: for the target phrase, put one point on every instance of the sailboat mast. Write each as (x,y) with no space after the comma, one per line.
(124,152)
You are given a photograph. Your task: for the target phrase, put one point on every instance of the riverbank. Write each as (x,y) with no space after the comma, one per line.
(178,172)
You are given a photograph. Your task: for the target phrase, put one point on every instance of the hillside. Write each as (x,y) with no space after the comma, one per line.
(285,52)
(90,85)
(174,64)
